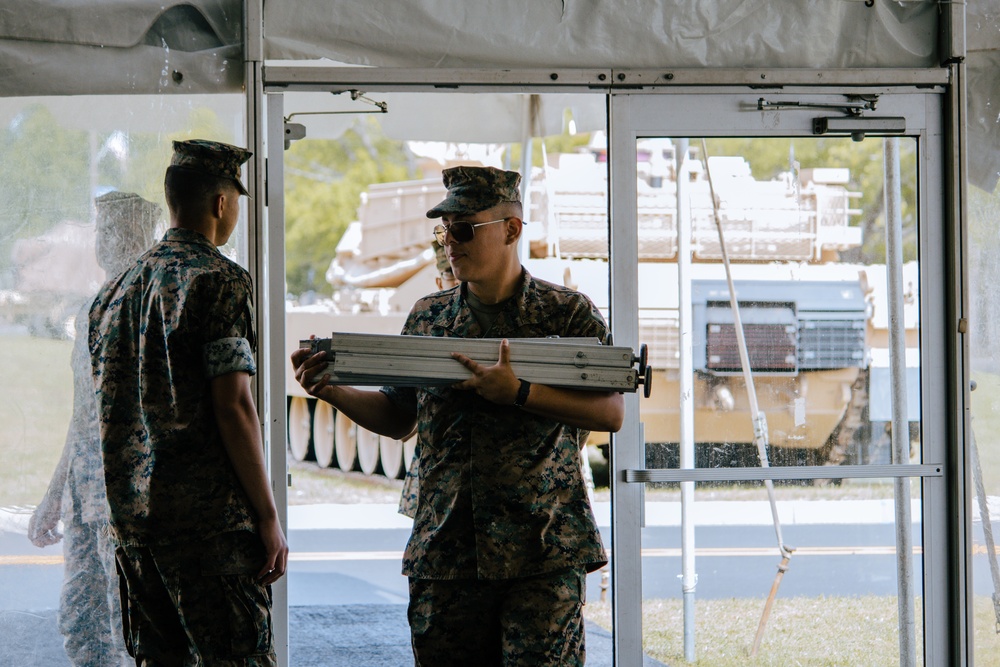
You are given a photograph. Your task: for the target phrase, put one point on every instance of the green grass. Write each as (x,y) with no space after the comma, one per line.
(311,484)
(808,632)
(36,401)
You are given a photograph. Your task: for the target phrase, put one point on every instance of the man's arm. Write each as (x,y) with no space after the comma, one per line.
(44,520)
(371,410)
(591,410)
(236,417)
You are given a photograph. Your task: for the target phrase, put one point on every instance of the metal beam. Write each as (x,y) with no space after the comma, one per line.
(279,78)
(373,359)
(783,472)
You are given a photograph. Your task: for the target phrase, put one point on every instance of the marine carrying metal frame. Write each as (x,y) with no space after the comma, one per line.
(414,361)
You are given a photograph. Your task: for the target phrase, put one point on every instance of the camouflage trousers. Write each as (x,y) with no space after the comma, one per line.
(536,621)
(89,612)
(197,604)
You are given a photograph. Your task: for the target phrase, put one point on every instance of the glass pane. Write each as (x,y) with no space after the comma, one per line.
(984,271)
(58,155)
(803,224)
(807,347)
(834,602)
(358,255)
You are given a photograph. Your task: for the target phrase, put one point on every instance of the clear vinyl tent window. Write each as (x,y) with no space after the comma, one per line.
(984,271)
(58,155)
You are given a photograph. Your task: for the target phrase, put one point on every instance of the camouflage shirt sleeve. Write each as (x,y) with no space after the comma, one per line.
(228,337)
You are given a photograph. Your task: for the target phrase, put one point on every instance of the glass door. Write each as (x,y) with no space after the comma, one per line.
(772,497)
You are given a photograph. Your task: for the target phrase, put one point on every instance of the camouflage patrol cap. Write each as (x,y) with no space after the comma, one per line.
(211,157)
(126,227)
(126,201)
(127,209)
(474,189)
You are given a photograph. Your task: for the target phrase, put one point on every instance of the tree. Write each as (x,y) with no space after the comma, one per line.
(324,180)
(44,177)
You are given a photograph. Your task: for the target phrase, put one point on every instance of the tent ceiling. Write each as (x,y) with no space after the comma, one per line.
(628,34)
(79,47)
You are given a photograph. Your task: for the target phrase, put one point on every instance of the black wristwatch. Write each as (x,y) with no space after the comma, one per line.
(522,394)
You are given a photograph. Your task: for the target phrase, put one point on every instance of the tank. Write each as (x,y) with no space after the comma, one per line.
(807,316)
(382,265)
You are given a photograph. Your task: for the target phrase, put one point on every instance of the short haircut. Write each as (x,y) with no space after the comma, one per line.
(193,191)
(509,209)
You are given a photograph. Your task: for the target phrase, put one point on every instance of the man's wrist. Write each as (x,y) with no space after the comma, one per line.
(522,394)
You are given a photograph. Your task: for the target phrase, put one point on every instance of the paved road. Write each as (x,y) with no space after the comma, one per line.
(350,554)
(345,561)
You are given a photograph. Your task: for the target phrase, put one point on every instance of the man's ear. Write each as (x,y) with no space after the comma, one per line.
(514,228)
(219,204)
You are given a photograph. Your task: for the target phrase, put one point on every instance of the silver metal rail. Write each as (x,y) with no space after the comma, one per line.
(784,472)
(579,363)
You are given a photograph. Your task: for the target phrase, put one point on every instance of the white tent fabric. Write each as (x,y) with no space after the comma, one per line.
(594,33)
(77,47)
(983,124)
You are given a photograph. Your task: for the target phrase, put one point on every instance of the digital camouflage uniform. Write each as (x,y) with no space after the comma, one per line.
(158,334)
(501,493)
(89,609)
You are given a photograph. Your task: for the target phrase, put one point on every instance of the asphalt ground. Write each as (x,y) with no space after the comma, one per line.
(349,635)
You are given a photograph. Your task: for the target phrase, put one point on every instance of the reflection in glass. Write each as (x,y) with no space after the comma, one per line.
(66,226)
(984,272)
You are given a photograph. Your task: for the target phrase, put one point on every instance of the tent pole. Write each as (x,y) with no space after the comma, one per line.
(267,269)
(900,426)
(689,578)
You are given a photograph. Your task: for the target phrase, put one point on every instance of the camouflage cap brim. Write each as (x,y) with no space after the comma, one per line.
(474,189)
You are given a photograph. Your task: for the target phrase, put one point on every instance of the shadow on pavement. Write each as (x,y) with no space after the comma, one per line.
(364,635)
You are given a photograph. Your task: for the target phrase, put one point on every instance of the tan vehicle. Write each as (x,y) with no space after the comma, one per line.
(807,317)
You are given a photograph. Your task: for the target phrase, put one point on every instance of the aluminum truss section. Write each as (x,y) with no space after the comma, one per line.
(399,360)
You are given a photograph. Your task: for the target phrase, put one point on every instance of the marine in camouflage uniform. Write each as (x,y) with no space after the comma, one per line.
(89,609)
(504,533)
(170,340)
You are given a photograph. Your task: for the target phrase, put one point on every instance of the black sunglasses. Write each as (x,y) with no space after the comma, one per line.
(460,230)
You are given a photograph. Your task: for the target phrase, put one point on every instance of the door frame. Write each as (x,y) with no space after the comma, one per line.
(735,113)
(636,100)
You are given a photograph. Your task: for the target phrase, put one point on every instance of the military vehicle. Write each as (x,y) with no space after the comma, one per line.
(808,317)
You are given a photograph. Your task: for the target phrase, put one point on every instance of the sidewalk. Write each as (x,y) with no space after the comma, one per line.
(708,513)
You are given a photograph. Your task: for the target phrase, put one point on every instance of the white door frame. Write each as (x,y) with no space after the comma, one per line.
(705,110)
(720,113)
